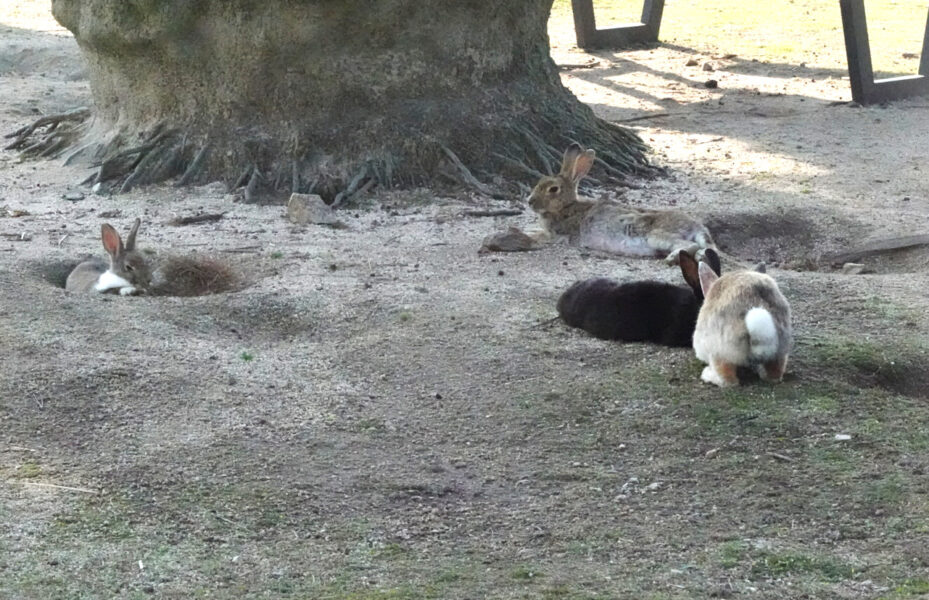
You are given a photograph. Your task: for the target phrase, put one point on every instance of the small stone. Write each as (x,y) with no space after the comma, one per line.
(654,487)
(851,268)
(842,437)
(708,67)
(73,196)
(693,62)
(512,240)
(711,453)
(309,208)
(217,188)
(906,198)
(711,84)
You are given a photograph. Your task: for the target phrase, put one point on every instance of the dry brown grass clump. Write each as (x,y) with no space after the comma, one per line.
(194,276)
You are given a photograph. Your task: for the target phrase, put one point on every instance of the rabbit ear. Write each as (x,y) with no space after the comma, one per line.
(130,241)
(707,278)
(583,165)
(712,258)
(690,270)
(111,240)
(570,157)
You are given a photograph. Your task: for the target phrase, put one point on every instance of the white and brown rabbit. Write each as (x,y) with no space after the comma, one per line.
(128,273)
(609,226)
(744,322)
(638,311)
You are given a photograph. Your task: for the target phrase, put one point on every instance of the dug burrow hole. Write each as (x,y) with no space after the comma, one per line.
(172,275)
(814,240)
(195,276)
(907,375)
(897,368)
(56,272)
(790,239)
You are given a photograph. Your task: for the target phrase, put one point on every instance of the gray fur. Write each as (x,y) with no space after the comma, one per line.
(125,263)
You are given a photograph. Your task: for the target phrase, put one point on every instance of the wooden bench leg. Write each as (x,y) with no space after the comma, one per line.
(865,89)
(588,36)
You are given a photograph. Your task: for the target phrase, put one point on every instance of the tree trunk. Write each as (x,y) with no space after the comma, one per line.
(330,96)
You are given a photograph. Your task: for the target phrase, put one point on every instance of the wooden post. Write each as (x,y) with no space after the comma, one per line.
(588,36)
(865,89)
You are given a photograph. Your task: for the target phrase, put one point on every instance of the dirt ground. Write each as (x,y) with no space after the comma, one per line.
(384,413)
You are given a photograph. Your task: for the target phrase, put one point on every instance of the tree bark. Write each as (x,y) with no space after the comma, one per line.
(330,96)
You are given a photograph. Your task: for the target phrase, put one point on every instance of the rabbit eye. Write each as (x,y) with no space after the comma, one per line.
(553,190)
(130,268)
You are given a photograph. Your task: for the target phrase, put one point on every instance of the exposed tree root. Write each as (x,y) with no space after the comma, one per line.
(464,173)
(194,168)
(251,188)
(495,159)
(352,188)
(60,132)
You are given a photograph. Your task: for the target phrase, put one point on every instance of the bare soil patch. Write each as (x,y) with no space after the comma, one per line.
(383,412)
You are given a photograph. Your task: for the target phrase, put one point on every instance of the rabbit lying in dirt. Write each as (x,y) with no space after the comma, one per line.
(128,273)
(609,226)
(638,311)
(744,322)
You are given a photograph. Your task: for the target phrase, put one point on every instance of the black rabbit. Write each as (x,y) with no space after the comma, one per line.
(639,311)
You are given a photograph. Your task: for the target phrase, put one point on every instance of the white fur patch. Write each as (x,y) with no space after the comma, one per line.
(614,244)
(109,280)
(762,332)
(709,375)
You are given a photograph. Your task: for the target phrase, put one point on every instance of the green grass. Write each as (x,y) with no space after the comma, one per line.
(769,564)
(28,470)
(887,492)
(788,31)
(526,573)
(908,589)
(765,563)
(730,553)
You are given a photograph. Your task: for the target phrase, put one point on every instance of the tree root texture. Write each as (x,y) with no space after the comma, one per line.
(495,160)
(55,134)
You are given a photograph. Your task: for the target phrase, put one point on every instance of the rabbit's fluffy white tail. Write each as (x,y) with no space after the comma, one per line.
(762,333)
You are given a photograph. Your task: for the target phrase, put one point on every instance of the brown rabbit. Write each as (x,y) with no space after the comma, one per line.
(744,322)
(127,274)
(609,226)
